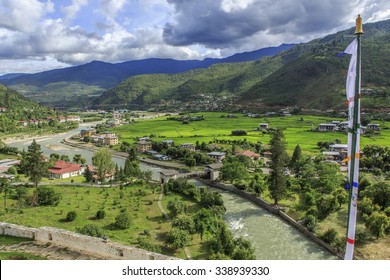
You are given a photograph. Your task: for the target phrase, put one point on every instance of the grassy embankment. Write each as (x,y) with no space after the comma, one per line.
(11,240)
(139,201)
(297,130)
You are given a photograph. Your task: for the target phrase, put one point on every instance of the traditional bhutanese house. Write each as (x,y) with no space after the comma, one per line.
(62,119)
(218,156)
(324,127)
(63,169)
(263,126)
(168,142)
(267,154)
(212,171)
(250,154)
(110,140)
(72,118)
(343,125)
(373,126)
(143,146)
(88,131)
(95,178)
(167,175)
(188,146)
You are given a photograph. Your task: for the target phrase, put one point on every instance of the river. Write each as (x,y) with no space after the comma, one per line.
(272,238)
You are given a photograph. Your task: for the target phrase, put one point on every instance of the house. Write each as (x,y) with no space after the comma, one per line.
(218,156)
(188,146)
(61,119)
(73,118)
(87,132)
(168,142)
(338,147)
(167,175)
(263,126)
(343,125)
(95,178)
(212,171)
(110,140)
(116,115)
(63,169)
(250,154)
(373,126)
(325,127)
(3,109)
(143,146)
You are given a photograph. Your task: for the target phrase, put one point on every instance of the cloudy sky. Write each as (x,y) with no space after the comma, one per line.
(38,35)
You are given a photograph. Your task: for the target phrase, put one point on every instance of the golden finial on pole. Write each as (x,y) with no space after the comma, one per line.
(359,25)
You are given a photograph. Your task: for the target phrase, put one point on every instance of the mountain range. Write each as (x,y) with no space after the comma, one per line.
(308,75)
(55,87)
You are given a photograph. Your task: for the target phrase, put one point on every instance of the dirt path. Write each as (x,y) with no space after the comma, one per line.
(49,251)
(188,253)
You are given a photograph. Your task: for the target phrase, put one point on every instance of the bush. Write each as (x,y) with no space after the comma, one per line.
(71,216)
(331,237)
(100,214)
(311,222)
(239,132)
(122,221)
(91,230)
(47,196)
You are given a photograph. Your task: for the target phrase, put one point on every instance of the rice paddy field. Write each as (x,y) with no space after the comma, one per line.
(297,130)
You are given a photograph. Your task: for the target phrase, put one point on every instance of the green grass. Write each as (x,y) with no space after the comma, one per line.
(86,201)
(10,240)
(296,130)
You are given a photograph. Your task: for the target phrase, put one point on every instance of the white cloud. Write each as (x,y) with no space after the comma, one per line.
(230,6)
(72,10)
(110,8)
(23,15)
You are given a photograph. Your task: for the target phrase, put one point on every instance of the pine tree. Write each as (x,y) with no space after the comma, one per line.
(279,159)
(34,165)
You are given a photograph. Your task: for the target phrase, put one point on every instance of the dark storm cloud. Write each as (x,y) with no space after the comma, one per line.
(215,23)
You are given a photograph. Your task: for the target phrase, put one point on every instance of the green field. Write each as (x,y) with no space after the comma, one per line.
(297,130)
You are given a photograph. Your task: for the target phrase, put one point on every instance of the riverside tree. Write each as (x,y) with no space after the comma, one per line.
(279,159)
(102,160)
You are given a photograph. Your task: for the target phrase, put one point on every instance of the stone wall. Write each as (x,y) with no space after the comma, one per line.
(258,201)
(79,242)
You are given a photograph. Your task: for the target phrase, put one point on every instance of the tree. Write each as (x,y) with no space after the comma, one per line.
(122,221)
(277,179)
(147,175)
(78,159)
(235,170)
(379,193)
(177,238)
(91,230)
(131,168)
(377,223)
(34,164)
(5,187)
(102,160)
(176,207)
(88,175)
(47,196)
(65,158)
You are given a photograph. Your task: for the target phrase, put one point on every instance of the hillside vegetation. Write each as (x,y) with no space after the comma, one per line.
(308,75)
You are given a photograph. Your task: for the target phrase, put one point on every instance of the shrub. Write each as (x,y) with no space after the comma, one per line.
(71,216)
(100,214)
(47,196)
(122,221)
(311,222)
(331,237)
(91,230)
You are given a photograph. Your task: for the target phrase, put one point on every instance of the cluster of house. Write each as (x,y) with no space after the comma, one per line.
(63,170)
(60,119)
(105,139)
(343,126)
(5,165)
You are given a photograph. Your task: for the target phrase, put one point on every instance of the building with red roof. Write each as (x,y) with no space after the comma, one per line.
(63,169)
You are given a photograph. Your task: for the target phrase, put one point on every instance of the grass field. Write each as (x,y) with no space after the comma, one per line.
(139,201)
(297,130)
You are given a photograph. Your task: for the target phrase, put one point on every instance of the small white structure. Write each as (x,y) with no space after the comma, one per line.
(373,126)
(63,169)
(263,126)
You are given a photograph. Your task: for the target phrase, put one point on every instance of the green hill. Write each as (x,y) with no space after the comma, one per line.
(308,75)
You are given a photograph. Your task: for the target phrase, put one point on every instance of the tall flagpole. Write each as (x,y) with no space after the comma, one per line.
(354,143)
